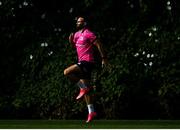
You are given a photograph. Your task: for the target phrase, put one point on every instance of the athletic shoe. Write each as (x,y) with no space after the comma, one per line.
(91,116)
(82,92)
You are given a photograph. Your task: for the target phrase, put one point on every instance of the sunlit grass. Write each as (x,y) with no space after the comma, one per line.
(96,124)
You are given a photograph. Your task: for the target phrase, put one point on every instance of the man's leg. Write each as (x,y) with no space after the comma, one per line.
(85,88)
(72,71)
(89,101)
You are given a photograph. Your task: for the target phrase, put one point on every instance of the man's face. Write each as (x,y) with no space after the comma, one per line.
(80,23)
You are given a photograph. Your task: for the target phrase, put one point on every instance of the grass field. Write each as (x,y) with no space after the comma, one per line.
(96,124)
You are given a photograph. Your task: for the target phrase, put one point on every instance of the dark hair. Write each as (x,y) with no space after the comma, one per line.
(81,16)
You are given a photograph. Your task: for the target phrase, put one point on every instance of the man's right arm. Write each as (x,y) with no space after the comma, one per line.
(71,37)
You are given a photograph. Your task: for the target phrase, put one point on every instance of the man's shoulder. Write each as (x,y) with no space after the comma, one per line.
(77,33)
(86,29)
(89,31)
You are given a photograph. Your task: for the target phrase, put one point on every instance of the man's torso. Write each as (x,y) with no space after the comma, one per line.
(84,45)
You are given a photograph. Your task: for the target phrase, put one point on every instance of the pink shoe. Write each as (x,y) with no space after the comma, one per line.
(91,116)
(82,92)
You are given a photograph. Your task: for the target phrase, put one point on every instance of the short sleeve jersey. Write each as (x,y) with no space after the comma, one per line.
(84,41)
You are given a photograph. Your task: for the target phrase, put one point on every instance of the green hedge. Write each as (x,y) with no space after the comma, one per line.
(141,81)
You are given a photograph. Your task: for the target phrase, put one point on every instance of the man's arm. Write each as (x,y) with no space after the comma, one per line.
(71,37)
(98,44)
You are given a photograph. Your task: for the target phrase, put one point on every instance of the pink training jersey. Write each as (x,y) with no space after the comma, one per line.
(84,45)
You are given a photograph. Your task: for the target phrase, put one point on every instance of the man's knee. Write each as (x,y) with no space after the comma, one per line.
(66,72)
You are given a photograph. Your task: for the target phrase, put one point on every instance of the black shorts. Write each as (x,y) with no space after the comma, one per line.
(86,68)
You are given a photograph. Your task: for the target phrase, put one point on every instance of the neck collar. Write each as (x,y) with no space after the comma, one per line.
(82,30)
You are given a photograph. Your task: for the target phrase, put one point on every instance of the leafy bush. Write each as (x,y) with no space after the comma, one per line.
(142,81)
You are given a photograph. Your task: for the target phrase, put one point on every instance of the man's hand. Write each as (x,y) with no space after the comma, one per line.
(104,62)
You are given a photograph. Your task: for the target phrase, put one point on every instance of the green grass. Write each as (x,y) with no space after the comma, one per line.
(96,124)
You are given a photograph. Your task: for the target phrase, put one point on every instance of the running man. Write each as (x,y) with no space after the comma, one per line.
(80,73)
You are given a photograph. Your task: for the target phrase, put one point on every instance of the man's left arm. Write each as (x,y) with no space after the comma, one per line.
(99,45)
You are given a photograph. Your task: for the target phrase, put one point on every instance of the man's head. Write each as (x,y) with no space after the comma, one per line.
(81,23)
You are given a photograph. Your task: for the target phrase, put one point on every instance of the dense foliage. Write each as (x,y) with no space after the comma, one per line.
(141,39)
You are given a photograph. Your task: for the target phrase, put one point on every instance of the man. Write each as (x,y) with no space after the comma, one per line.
(84,40)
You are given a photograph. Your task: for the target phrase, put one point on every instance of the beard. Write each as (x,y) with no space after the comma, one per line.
(79,27)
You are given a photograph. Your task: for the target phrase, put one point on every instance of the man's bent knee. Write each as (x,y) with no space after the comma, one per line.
(66,72)
(72,69)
